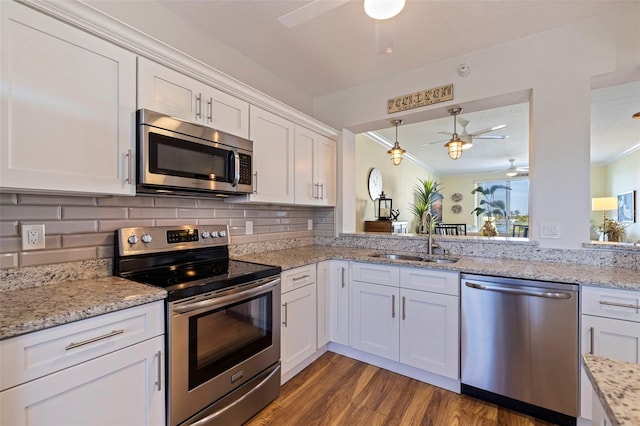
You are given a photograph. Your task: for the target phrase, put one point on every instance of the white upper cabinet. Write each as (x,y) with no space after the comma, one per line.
(67,111)
(315,168)
(273,160)
(164,90)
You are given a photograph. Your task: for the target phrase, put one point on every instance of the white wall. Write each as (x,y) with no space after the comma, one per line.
(557,66)
(623,175)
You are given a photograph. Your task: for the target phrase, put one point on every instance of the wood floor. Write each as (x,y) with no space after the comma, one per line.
(336,390)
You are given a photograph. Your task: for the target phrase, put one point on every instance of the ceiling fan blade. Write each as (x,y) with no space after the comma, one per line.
(445,133)
(309,11)
(491,137)
(436,142)
(490,129)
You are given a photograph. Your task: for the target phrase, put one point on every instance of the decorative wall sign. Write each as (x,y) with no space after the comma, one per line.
(456,208)
(419,99)
(457,197)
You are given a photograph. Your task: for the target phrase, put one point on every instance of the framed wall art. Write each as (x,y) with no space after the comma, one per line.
(627,207)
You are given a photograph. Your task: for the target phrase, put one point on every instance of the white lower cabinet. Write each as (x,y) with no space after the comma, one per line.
(323,303)
(415,327)
(298,317)
(339,289)
(104,370)
(610,324)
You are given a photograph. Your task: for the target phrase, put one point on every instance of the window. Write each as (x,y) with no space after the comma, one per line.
(516,201)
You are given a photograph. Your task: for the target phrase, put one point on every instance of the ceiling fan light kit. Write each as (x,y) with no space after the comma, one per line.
(455,145)
(383,9)
(396,152)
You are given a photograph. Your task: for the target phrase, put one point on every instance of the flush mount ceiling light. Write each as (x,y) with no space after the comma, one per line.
(455,145)
(383,9)
(396,152)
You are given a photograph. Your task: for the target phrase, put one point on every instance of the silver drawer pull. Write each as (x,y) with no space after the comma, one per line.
(94,339)
(620,305)
(300,278)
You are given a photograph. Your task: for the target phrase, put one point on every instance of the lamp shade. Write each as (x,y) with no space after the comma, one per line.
(454,147)
(604,204)
(383,9)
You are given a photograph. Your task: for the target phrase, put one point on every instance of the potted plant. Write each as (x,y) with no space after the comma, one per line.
(490,208)
(427,192)
(612,230)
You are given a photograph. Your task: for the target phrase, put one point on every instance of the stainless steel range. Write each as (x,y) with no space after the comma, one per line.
(223,321)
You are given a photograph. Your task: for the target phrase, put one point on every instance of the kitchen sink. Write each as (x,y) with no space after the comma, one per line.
(397,256)
(439,260)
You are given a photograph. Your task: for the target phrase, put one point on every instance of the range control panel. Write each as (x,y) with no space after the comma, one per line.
(157,239)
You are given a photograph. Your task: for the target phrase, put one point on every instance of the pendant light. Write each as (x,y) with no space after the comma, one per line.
(455,145)
(396,152)
(383,9)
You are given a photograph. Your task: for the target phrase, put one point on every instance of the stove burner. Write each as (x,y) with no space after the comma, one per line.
(180,274)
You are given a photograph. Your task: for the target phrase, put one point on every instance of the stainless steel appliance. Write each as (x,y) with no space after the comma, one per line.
(223,321)
(175,156)
(519,343)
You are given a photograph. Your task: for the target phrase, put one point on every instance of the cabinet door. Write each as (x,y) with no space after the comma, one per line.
(340,284)
(166,91)
(429,332)
(67,107)
(273,151)
(610,338)
(375,317)
(323,301)
(298,326)
(307,189)
(325,170)
(125,387)
(226,113)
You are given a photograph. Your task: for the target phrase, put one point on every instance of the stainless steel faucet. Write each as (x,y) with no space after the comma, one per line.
(427,218)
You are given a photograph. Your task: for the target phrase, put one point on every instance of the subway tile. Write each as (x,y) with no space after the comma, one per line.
(213,222)
(8,260)
(239,222)
(152,213)
(87,240)
(137,201)
(196,213)
(21,213)
(280,213)
(10,244)
(52,241)
(229,213)
(94,213)
(7,198)
(267,221)
(212,203)
(55,200)
(261,229)
(112,225)
(175,202)
(8,229)
(251,214)
(44,257)
(279,228)
(105,252)
(243,239)
(68,226)
(270,237)
(175,222)
(236,231)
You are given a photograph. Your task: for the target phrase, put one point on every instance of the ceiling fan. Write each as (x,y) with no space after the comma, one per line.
(514,171)
(467,137)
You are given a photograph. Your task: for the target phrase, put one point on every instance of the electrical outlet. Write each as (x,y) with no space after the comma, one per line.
(550,230)
(33,237)
(310,224)
(248,228)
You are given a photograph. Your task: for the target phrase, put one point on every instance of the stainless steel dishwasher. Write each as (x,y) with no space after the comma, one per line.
(519,343)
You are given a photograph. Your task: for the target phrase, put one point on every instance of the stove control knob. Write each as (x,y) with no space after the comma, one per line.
(133,239)
(205,234)
(146,238)
(214,234)
(223,233)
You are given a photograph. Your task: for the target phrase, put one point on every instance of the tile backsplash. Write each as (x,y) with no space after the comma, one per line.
(81,227)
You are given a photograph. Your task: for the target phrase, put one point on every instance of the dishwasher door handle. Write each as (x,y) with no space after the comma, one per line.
(519,292)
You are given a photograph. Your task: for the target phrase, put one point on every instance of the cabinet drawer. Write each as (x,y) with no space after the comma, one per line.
(428,280)
(298,277)
(376,274)
(43,352)
(611,303)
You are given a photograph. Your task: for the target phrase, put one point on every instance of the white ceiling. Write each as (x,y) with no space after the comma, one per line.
(336,49)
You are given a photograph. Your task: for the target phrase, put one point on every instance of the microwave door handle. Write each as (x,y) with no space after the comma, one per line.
(236,170)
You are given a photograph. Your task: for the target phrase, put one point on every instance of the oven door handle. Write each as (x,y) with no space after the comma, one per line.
(215,302)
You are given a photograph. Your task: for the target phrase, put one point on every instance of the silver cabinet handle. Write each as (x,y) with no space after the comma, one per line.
(158,383)
(342,276)
(210,110)
(393,306)
(316,187)
(322,193)
(284,320)
(199,106)
(129,156)
(592,333)
(300,278)
(509,290)
(620,305)
(255,182)
(404,308)
(92,340)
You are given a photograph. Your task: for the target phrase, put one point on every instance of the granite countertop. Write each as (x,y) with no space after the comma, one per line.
(31,309)
(606,276)
(617,384)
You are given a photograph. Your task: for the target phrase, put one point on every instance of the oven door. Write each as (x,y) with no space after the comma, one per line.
(218,343)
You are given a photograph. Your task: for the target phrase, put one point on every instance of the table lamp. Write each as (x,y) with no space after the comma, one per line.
(604,204)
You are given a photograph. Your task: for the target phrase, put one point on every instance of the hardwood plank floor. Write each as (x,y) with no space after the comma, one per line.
(336,390)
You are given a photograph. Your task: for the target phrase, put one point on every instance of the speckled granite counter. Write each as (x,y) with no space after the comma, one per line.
(607,276)
(31,309)
(617,384)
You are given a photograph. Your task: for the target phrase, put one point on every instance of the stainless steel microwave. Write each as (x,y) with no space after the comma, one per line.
(176,156)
